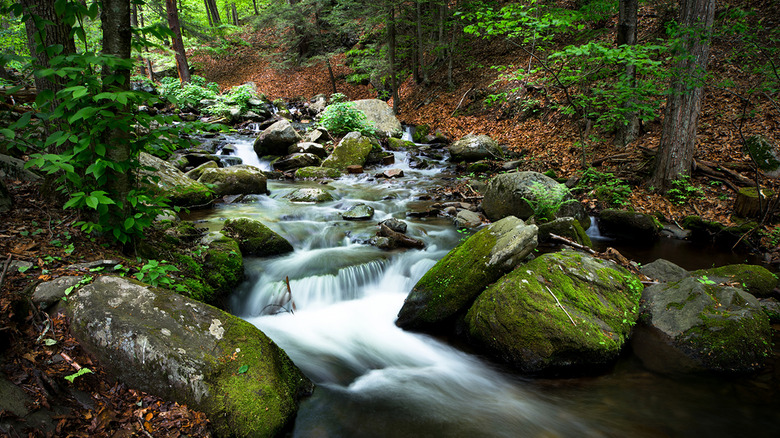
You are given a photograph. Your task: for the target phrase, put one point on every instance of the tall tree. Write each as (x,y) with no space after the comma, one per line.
(678,136)
(178,45)
(391,42)
(627,35)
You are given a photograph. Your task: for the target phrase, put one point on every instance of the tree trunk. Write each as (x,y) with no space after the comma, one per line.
(420,46)
(117,35)
(627,35)
(208,12)
(235,14)
(678,137)
(178,45)
(254,3)
(391,44)
(212,5)
(46,29)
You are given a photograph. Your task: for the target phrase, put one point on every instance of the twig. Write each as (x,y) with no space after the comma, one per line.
(5,269)
(561,306)
(71,361)
(289,294)
(461,101)
(572,243)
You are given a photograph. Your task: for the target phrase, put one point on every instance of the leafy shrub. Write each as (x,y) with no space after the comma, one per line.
(547,200)
(606,187)
(189,94)
(342,118)
(683,191)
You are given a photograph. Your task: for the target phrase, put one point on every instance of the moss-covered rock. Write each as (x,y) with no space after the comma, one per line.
(629,225)
(702,326)
(276,139)
(396,144)
(766,154)
(317,173)
(256,239)
(169,181)
(198,171)
(351,150)
(450,286)
(176,348)
(296,161)
(235,180)
(567,227)
(518,319)
(754,279)
(358,212)
(309,194)
(223,264)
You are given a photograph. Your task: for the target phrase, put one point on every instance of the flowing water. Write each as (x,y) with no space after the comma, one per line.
(375,380)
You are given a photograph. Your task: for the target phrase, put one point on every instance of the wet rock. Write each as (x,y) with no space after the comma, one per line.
(308,194)
(475,148)
(308,148)
(296,161)
(450,286)
(358,212)
(355,169)
(276,139)
(317,135)
(663,271)
(754,279)
(392,173)
(235,180)
(198,171)
(172,183)
(396,144)
(629,226)
(185,351)
(391,239)
(394,224)
(518,319)
(351,150)
(567,227)
(696,325)
(468,219)
(256,239)
(317,173)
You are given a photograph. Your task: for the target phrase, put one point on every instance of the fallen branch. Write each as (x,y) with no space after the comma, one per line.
(72,362)
(461,101)
(561,306)
(599,161)
(572,243)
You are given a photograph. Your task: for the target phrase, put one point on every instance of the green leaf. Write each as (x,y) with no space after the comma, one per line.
(78,373)
(243,369)
(7,133)
(49,342)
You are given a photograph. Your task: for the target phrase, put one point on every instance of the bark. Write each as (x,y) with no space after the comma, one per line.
(235,14)
(391,44)
(254,3)
(178,45)
(208,12)
(117,35)
(212,5)
(627,35)
(420,46)
(678,136)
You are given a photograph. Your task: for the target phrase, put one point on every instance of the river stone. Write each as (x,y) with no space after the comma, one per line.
(629,226)
(663,270)
(517,319)
(192,159)
(567,227)
(396,144)
(765,154)
(394,224)
(452,284)
(697,325)
(169,181)
(276,139)
(308,148)
(475,148)
(256,239)
(296,161)
(506,194)
(317,135)
(754,279)
(198,171)
(236,180)
(223,266)
(179,349)
(351,150)
(377,111)
(317,173)
(358,212)
(468,219)
(309,194)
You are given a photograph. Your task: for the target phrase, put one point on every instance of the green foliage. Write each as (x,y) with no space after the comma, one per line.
(606,187)
(343,118)
(683,191)
(71,377)
(156,273)
(546,201)
(189,94)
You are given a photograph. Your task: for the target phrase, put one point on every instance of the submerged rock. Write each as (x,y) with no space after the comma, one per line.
(450,286)
(185,351)
(629,226)
(519,319)
(256,239)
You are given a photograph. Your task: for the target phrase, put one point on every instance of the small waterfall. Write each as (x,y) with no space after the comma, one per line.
(408,133)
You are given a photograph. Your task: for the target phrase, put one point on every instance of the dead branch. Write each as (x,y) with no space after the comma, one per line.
(599,161)
(561,306)
(572,243)
(461,101)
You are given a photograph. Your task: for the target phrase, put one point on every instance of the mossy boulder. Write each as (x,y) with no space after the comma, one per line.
(352,150)
(309,194)
(697,325)
(396,144)
(381,115)
(754,279)
(317,173)
(507,194)
(256,239)
(663,271)
(307,147)
(629,226)
(474,147)
(296,161)
(567,227)
(276,139)
(236,180)
(451,285)
(518,319)
(358,212)
(223,264)
(198,171)
(765,153)
(181,350)
(169,181)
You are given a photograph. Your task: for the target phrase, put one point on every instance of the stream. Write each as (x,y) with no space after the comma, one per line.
(376,380)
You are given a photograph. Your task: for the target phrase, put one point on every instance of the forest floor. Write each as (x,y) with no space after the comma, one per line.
(40,232)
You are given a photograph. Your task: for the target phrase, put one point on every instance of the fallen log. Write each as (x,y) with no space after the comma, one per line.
(400,239)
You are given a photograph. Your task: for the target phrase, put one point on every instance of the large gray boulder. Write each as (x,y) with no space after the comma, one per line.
(506,195)
(241,179)
(474,147)
(276,139)
(521,320)
(308,148)
(765,153)
(169,181)
(255,238)
(185,351)
(629,226)
(450,286)
(696,324)
(352,150)
(13,168)
(378,112)
(316,172)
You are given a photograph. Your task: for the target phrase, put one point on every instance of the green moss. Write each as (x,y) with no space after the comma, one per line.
(256,239)
(754,279)
(317,173)
(351,151)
